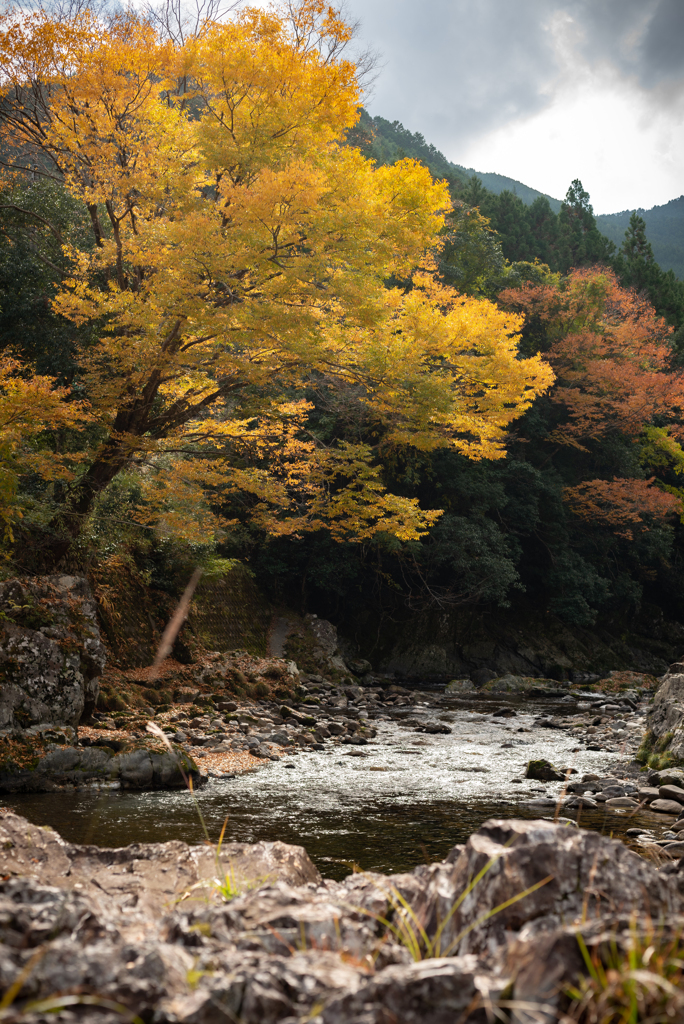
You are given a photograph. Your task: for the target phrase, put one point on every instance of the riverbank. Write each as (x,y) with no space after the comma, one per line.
(433,773)
(182,935)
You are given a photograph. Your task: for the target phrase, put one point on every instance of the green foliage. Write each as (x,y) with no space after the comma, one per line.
(637,268)
(532,233)
(469,560)
(32,263)
(576,589)
(636,979)
(665,228)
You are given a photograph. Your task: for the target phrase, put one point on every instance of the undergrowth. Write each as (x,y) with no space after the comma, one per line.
(640,984)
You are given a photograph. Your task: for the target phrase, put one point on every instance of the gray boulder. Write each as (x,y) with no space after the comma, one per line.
(439,991)
(583,874)
(666,717)
(252,933)
(51,656)
(133,769)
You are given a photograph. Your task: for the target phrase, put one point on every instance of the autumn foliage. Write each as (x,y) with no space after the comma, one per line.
(614,376)
(28,405)
(240,252)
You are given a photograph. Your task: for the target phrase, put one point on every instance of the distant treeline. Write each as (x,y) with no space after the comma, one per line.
(387,141)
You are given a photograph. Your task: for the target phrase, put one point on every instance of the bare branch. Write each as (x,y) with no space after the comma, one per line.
(180,20)
(175,622)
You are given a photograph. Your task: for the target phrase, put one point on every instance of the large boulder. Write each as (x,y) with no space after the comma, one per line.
(139,768)
(51,656)
(666,717)
(252,933)
(581,876)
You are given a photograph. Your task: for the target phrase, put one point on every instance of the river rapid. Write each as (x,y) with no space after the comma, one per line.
(405,798)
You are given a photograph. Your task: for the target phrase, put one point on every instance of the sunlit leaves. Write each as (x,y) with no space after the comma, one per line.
(242,252)
(626,506)
(31,406)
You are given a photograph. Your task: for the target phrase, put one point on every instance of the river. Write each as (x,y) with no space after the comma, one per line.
(405,798)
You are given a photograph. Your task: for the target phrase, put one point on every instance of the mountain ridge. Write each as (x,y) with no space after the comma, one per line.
(387,141)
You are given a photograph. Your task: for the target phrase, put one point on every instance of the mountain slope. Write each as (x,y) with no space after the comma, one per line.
(664,229)
(386,141)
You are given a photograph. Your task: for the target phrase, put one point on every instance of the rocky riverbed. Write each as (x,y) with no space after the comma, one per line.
(168,933)
(415,788)
(437,766)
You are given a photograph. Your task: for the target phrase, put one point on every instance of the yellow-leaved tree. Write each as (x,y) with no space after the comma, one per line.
(242,252)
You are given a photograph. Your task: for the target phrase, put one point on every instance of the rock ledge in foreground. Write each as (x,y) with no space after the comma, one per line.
(145,926)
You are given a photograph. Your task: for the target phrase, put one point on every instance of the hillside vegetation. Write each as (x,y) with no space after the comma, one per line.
(665,229)
(236,327)
(386,141)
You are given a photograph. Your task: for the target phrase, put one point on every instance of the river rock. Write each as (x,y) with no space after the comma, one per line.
(135,769)
(543,771)
(578,802)
(583,869)
(621,801)
(183,935)
(672,793)
(613,791)
(670,777)
(51,656)
(438,990)
(667,713)
(666,806)
(460,686)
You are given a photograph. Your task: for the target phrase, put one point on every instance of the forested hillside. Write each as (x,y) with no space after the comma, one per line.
(665,229)
(240,328)
(386,141)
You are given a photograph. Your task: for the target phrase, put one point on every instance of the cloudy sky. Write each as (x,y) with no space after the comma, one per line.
(542,90)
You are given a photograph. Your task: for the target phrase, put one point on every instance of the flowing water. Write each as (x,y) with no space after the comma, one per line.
(406,798)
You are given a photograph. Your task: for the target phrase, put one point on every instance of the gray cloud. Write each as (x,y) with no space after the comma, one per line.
(458,69)
(643,39)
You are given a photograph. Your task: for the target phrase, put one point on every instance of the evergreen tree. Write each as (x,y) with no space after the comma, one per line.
(580,243)
(636,267)
(543,224)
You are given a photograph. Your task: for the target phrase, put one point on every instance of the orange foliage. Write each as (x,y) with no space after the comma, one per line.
(621,504)
(610,352)
(612,359)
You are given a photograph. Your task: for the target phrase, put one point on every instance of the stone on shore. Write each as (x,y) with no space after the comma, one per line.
(543,771)
(181,935)
(672,793)
(666,806)
(134,769)
(51,656)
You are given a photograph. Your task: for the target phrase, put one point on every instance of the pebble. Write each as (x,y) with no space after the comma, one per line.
(621,801)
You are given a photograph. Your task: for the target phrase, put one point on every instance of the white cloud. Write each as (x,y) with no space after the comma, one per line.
(625,155)
(542,90)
